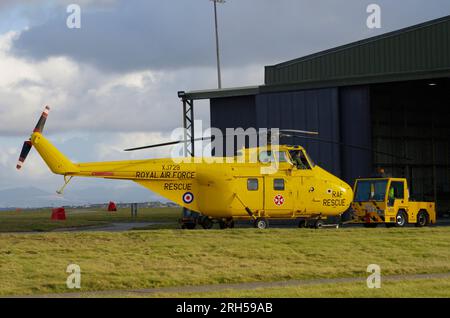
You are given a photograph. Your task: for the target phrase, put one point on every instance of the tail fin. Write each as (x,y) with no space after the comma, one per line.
(55,160)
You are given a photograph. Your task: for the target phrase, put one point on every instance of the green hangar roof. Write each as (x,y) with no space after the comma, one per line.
(420,51)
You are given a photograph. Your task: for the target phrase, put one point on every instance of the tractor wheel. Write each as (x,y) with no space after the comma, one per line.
(422,219)
(261,224)
(401,219)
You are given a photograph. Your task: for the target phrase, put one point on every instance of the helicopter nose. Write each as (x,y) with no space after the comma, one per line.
(348,195)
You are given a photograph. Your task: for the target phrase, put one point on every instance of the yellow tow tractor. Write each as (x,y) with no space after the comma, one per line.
(386,200)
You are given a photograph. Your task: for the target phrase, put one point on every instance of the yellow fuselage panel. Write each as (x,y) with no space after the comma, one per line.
(217,188)
(223,191)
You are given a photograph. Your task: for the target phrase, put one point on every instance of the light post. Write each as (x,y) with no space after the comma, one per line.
(219,77)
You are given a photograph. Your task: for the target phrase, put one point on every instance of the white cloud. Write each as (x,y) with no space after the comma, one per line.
(114,149)
(83,98)
(13,70)
(34,173)
(94,114)
(97,3)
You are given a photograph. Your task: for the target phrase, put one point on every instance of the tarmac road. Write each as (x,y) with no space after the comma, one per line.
(127,226)
(294,223)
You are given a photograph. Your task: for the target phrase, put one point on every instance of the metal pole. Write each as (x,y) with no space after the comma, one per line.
(192,128)
(185,126)
(219,77)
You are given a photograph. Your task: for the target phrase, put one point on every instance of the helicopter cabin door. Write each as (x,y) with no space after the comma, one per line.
(249,192)
(278,198)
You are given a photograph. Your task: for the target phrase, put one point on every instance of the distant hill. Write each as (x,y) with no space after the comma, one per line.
(31,197)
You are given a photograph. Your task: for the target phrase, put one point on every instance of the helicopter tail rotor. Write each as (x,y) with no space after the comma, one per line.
(24,153)
(41,123)
(27,145)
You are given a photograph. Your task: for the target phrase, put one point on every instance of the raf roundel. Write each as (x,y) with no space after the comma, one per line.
(188,197)
(278,200)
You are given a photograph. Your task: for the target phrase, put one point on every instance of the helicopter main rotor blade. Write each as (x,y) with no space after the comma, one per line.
(170,143)
(269,132)
(349,145)
(290,133)
(305,132)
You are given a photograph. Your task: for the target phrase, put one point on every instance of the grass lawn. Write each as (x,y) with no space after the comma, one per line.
(414,289)
(36,263)
(39,220)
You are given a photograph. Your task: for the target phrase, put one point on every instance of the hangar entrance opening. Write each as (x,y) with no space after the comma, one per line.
(411,119)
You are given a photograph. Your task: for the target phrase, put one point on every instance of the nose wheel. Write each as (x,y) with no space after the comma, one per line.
(261,223)
(318,224)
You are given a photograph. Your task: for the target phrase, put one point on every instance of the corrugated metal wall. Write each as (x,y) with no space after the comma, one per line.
(339,115)
(233,112)
(355,125)
(423,48)
(314,110)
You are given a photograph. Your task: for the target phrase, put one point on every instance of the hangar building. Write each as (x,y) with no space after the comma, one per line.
(390,93)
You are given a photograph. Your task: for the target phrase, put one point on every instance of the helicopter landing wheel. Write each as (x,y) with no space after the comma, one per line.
(318,224)
(207,223)
(261,223)
(188,226)
(226,224)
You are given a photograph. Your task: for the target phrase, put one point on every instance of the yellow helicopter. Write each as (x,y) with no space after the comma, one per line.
(282,183)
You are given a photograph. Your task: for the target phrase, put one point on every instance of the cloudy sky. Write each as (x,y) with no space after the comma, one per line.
(113,83)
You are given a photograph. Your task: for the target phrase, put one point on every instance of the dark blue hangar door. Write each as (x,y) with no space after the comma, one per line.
(339,114)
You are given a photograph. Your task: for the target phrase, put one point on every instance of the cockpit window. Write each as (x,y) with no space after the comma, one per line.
(266,157)
(282,156)
(299,159)
(313,164)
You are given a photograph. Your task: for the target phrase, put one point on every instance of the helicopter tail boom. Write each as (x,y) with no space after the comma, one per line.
(55,160)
